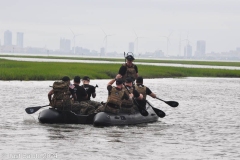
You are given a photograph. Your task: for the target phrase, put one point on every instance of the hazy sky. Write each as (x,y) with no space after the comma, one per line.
(44,22)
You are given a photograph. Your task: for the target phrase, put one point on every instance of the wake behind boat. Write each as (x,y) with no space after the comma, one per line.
(100,119)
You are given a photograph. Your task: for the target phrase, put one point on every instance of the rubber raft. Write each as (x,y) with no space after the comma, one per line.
(98,119)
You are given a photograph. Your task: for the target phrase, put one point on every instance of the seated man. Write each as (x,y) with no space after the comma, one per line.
(61,94)
(80,105)
(144,91)
(115,96)
(129,106)
(91,91)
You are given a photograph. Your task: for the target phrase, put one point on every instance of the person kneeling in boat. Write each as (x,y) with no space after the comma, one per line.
(130,106)
(60,97)
(91,91)
(144,91)
(80,103)
(115,97)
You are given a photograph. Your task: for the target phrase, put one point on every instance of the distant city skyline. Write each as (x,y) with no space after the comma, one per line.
(65,47)
(153,25)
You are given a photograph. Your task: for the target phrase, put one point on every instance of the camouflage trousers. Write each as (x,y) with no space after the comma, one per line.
(108,109)
(129,109)
(95,104)
(85,107)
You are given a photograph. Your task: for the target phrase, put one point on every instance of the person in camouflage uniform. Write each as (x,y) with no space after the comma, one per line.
(144,91)
(115,96)
(91,91)
(130,106)
(80,104)
(128,69)
(61,94)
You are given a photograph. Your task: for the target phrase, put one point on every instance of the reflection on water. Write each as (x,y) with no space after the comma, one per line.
(205,125)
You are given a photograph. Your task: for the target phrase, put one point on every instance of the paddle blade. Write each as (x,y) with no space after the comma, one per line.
(159,112)
(32,110)
(172,103)
(143,112)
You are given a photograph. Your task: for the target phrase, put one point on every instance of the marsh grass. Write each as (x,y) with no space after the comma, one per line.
(21,70)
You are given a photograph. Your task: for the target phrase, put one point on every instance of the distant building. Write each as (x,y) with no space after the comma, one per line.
(188,51)
(65,45)
(158,53)
(20,39)
(201,48)
(131,47)
(102,51)
(7,38)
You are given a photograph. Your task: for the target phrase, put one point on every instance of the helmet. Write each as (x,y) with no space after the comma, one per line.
(130,57)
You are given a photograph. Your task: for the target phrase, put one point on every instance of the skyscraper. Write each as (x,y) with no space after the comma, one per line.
(188,51)
(131,47)
(65,45)
(20,39)
(7,38)
(201,48)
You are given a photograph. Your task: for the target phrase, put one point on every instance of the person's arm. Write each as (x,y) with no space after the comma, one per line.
(111,82)
(93,91)
(118,76)
(127,96)
(150,93)
(94,95)
(121,72)
(136,69)
(137,95)
(50,93)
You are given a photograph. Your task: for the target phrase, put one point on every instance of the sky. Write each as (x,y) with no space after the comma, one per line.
(148,23)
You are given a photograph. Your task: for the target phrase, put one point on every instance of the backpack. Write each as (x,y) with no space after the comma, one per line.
(61,95)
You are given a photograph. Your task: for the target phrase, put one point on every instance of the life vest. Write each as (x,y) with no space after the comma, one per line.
(61,95)
(131,72)
(129,102)
(115,97)
(141,89)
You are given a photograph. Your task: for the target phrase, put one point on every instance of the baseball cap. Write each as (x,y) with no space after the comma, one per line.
(65,79)
(139,80)
(129,79)
(77,79)
(119,81)
(86,78)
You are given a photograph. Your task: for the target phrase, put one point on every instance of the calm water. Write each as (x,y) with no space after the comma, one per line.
(206,124)
(108,62)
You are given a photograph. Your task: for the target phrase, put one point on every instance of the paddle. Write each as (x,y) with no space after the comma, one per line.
(143,111)
(31,110)
(170,103)
(159,112)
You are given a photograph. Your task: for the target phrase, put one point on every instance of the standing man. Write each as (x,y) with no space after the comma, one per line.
(128,69)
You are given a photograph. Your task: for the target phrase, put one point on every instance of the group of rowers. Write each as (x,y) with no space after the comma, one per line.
(124,97)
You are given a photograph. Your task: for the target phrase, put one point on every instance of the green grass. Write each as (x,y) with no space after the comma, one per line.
(20,70)
(214,63)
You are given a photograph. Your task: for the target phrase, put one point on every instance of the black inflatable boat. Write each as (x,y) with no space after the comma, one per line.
(100,119)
